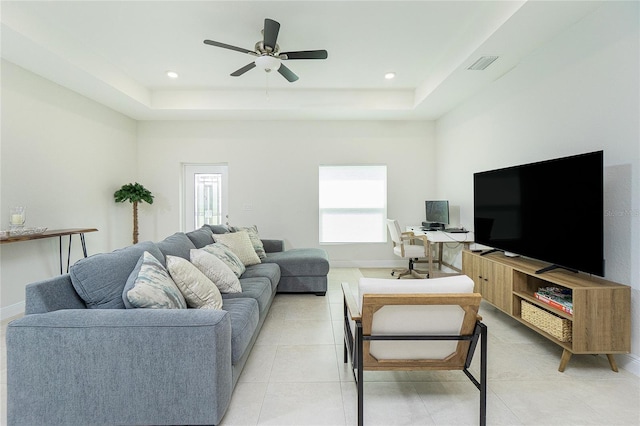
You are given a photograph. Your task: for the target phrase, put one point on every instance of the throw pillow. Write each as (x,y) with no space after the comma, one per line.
(150,286)
(225,254)
(216,270)
(240,244)
(254,237)
(196,288)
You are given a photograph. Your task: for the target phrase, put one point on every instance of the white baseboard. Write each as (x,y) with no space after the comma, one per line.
(12,310)
(369,263)
(629,362)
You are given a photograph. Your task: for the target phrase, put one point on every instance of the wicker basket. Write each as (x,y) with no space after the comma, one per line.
(558,327)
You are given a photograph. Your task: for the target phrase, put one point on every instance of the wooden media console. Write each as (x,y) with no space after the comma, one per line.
(601,318)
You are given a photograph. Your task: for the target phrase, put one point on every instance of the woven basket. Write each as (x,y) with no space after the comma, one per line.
(558,327)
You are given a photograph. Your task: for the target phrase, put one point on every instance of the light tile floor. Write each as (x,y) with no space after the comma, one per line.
(295,376)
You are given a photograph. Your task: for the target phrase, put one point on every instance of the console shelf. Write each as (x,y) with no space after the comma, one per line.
(601,319)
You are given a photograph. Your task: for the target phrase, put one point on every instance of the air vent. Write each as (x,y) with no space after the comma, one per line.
(482,63)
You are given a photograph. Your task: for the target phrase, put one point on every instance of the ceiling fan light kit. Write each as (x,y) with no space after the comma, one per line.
(267,52)
(268,63)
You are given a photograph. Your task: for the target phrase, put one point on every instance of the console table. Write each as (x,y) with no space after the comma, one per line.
(55,233)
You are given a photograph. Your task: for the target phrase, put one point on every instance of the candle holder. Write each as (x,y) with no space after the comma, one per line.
(17,217)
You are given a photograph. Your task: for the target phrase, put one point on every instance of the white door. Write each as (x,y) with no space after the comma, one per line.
(205,195)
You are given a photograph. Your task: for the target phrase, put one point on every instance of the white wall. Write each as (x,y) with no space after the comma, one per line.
(273,168)
(62,156)
(579,93)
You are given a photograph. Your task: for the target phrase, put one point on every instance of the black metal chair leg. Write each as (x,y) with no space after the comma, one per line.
(360,381)
(483,375)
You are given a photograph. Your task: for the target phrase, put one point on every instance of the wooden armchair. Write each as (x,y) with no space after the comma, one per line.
(417,325)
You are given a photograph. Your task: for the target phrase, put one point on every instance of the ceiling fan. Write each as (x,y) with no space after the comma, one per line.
(267,52)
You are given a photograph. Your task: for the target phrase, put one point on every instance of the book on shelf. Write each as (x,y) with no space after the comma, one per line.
(563,305)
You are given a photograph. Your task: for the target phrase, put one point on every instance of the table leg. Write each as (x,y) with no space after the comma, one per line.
(430,253)
(60,252)
(84,245)
(69,253)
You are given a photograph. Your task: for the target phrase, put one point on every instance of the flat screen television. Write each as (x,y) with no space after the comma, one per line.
(437,214)
(549,210)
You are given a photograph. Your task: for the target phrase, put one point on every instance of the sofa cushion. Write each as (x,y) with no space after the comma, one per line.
(198,290)
(218,229)
(216,270)
(225,254)
(244,322)
(177,244)
(100,279)
(150,286)
(266,270)
(300,262)
(254,237)
(239,243)
(254,288)
(201,237)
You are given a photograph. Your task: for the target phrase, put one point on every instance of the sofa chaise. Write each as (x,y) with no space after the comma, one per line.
(78,357)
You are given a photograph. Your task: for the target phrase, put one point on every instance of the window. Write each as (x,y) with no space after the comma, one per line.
(353,204)
(205,195)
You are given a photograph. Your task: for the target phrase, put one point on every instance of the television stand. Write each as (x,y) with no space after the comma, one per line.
(599,322)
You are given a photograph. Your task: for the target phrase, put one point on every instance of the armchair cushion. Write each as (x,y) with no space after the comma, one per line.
(415,319)
(410,250)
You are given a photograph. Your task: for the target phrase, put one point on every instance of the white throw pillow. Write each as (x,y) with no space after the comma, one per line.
(150,286)
(254,237)
(216,270)
(198,290)
(239,243)
(225,254)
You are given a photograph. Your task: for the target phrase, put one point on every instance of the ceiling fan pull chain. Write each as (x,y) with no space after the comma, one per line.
(266,90)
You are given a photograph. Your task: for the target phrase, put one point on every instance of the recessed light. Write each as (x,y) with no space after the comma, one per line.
(390,75)
(172,74)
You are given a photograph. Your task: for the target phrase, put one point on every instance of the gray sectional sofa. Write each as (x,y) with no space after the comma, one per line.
(78,357)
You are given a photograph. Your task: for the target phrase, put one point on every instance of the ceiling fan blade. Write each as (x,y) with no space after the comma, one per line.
(287,73)
(243,69)
(228,46)
(271,29)
(304,54)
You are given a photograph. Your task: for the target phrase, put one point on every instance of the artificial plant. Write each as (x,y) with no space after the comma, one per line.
(134,193)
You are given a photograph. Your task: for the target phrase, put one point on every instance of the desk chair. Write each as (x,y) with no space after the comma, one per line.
(414,325)
(403,247)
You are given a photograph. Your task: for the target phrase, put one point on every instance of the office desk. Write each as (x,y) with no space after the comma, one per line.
(441,237)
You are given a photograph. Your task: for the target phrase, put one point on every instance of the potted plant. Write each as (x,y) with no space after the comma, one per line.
(134,193)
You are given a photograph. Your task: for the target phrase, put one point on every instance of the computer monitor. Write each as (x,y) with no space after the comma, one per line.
(437,214)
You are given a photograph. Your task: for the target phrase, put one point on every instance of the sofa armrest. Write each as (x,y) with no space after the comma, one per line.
(51,295)
(273,246)
(115,366)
